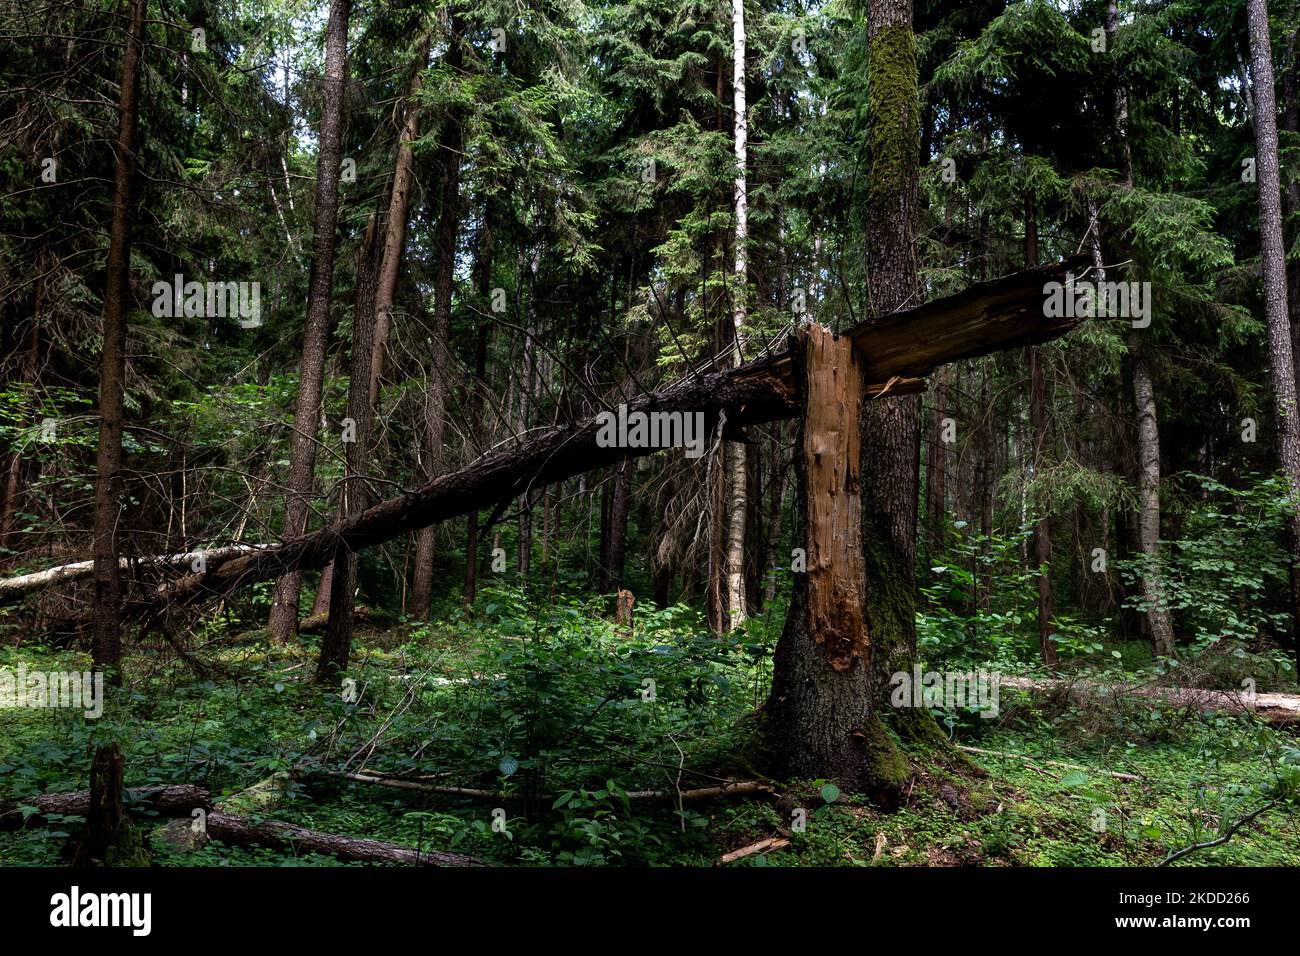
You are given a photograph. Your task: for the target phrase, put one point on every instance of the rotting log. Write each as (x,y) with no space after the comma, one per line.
(235,830)
(177,800)
(13,589)
(1270,708)
(895,351)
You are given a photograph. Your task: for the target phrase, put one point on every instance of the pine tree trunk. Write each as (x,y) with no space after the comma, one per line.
(109,497)
(823,715)
(1038,425)
(342,572)
(936,464)
(399,204)
(283,622)
(1281,360)
(1291,198)
(483,280)
(1148,450)
(616,558)
(435,394)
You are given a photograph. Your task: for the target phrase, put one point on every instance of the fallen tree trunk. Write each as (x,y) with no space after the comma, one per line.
(177,800)
(895,349)
(502,476)
(240,831)
(13,589)
(727,789)
(1270,708)
(317,623)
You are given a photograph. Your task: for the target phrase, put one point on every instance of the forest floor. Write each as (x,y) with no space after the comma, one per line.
(573,711)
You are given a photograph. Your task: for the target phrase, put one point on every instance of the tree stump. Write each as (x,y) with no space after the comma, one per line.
(109,837)
(623,612)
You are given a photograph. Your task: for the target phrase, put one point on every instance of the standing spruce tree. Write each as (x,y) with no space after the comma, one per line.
(1281,361)
(283,623)
(107,647)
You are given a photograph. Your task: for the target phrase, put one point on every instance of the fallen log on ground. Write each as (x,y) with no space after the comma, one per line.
(988,317)
(762,846)
(317,623)
(1118,775)
(728,789)
(1270,708)
(240,831)
(13,589)
(178,800)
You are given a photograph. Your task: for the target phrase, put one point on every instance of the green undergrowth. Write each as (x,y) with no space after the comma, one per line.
(561,716)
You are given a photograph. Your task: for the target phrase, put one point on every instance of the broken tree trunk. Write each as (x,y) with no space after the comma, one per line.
(558,454)
(894,350)
(818,720)
(109,838)
(831,441)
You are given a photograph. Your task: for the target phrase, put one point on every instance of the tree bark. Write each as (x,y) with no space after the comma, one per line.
(819,720)
(109,496)
(483,281)
(936,463)
(1162,635)
(399,204)
(823,714)
(108,838)
(1038,425)
(1282,364)
(283,622)
(616,555)
(435,394)
(239,831)
(371,260)
(1005,313)
(737,478)
(891,436)
(175,800)
(1291,198)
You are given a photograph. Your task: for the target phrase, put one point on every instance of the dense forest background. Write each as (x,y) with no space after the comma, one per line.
(453,227)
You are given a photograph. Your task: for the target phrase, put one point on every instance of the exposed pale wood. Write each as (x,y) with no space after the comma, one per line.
(14,588)
(894,350)
(987,317)
(831,436)
(762,846)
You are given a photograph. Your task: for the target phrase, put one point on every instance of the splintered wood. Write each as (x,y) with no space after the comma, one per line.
(836,566)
